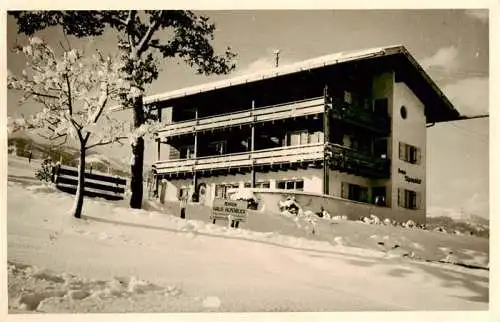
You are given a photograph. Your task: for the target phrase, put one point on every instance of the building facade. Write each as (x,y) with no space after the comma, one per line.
(350,125)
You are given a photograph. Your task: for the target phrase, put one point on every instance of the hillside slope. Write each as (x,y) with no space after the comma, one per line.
(122,260)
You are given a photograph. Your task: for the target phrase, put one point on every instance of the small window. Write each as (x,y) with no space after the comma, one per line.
(291,185)
(297,138)
(248,184)
(183,193)
(186,152)
(356,192)
(220,191)
(408,199)
(409,153)
(347,97)
(262,184)
(404,112)
(217,148)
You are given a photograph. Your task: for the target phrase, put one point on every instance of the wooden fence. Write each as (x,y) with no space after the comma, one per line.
(96,185)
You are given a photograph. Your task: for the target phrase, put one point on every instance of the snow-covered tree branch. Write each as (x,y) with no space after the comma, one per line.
(188,38)
(74,92)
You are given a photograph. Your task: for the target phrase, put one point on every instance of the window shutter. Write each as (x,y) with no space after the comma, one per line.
(401,197)
(418,200)
(419,156)
(402,150)
(321,137)
(344,193)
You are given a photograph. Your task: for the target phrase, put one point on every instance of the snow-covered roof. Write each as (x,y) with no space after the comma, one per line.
(438,107)
(327,60)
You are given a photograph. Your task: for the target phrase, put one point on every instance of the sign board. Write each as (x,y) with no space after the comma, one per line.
(223,208)
(408,178)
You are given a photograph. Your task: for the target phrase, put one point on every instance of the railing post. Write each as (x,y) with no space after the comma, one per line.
(252,147)
(326,131)
(195,155)
(159,149)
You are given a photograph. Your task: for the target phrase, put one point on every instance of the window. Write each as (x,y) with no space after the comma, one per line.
(260,184)
(347,97)
(409,153)
(298,138)
(186,152)
(404,112)
(354,192)
(183,192)
(220,191)
(408,199)
(224,189)
(263,184)
(218,147)
(379,196)
(316,137)
(291,185)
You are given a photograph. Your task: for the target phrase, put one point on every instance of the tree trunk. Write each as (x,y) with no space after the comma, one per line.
(77,209)
(136,180)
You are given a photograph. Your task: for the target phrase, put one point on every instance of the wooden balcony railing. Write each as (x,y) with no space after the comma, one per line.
(263,114)
(288,154)
(355,162)
(357,115)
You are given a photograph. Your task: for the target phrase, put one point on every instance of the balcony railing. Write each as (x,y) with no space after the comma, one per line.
(263,114)
(355,162)
(354,114)
(288,154)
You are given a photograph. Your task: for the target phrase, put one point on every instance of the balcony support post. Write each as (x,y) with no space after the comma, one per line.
(195,155)
(326,131)
(159,149)
(252,147)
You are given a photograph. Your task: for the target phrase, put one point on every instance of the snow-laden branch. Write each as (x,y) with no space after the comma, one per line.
(74,91)
(106,142)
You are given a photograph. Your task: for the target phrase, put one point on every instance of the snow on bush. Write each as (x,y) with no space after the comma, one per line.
(212,302)
(44,173)
(409,224)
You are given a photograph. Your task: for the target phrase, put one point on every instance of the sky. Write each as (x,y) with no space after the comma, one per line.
(451,45)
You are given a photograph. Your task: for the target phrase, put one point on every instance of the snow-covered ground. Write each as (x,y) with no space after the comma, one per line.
(123,260)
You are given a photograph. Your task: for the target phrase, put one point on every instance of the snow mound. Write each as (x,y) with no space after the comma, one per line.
(243,194)
(211,302)
(48,289)
(42,188)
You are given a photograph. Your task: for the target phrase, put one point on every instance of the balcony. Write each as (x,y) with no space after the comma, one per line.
(362,117)
(288,154)
(263,114)
(355,162)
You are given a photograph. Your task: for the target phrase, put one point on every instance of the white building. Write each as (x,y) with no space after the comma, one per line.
(343,131)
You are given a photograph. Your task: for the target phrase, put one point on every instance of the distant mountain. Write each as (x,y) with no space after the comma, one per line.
(40,148)
(25,144)
(452,220)
(106,164)
(458,216)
